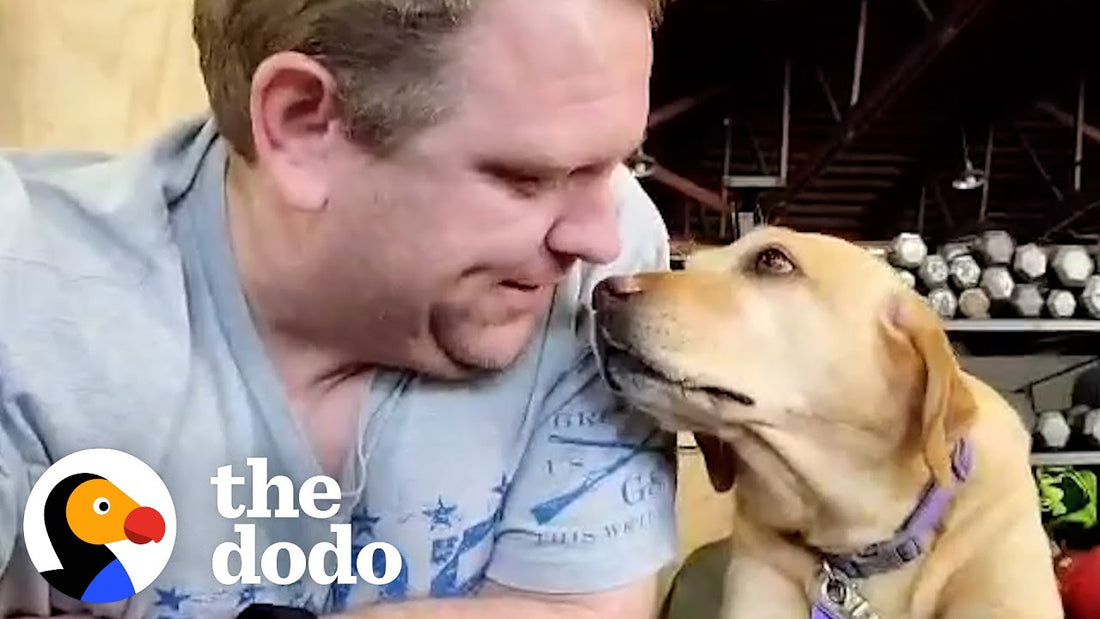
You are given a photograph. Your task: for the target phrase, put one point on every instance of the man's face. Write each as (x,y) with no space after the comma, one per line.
(463,231)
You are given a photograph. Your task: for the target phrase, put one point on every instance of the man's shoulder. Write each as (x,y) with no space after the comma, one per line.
(82,215)
(92,294)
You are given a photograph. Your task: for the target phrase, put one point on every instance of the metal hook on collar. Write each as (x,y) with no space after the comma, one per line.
(841,596)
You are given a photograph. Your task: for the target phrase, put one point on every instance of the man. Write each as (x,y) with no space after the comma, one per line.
(372,263)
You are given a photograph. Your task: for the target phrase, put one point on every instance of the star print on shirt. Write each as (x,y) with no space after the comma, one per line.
(247,595)
(305,602)
(170,598)
(441,514)
(362,523)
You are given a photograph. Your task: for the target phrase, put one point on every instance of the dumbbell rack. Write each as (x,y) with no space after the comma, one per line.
(1014,336)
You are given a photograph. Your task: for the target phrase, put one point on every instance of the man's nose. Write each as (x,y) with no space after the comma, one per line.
(613,291)
(590,228)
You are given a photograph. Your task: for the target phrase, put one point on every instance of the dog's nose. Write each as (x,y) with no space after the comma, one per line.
(615,289)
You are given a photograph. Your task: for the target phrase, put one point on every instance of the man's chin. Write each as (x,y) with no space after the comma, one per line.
(484,350)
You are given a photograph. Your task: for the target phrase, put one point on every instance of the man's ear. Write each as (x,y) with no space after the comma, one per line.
(946,408)
(720,461)
(295,112)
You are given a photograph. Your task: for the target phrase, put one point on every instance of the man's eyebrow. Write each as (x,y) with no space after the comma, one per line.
(524,164)
(533,162)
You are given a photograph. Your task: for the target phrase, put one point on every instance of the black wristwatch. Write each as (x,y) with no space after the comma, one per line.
(272,611)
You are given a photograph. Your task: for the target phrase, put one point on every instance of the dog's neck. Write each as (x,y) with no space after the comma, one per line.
(825,492)
(839,506)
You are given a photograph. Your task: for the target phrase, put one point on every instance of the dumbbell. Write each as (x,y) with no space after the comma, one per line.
(1027,301)
(907,250)
(995,248)
(1084,428)
(1029,262)
(943,302)
(907,277)
(1061,304)
(1072,265)
(998,284)
(953,249)
(1051,431)
(1090,296)
(964,272)
(1075,417)
(1089,434)
(973,303)
(933,272)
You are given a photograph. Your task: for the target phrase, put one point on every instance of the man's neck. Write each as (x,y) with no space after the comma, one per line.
(287,318)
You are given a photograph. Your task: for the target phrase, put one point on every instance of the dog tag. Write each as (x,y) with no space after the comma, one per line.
(839,598)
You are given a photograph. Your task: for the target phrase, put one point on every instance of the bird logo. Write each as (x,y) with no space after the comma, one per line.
(99,526)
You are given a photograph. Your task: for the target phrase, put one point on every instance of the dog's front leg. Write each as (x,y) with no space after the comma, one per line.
(756,590)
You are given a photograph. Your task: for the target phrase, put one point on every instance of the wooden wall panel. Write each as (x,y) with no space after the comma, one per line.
(102,74)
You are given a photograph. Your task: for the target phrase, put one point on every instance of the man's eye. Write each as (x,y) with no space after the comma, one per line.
(528,185)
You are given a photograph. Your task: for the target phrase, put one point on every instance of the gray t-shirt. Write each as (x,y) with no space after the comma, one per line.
(123,326)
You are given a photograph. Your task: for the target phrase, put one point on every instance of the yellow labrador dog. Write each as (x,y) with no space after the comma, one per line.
(871,476)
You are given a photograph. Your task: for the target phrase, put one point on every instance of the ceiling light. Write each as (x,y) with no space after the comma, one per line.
(970,178)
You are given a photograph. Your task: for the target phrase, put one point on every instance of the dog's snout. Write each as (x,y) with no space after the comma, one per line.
(615,289)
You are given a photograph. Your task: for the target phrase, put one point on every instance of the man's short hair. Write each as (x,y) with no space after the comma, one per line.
(387,57)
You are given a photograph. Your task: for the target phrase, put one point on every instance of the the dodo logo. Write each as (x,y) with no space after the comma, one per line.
(99,525)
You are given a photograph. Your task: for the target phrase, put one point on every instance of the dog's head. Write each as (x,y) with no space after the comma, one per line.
(782,345)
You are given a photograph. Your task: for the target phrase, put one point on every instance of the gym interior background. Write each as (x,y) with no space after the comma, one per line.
(861,118)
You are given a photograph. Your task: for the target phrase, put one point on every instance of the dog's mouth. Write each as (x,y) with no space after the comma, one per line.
(620,360)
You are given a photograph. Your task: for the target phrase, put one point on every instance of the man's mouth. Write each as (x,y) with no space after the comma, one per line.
(630,363)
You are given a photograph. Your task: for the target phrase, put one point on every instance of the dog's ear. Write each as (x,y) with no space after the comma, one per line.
(720,461)
(947,408)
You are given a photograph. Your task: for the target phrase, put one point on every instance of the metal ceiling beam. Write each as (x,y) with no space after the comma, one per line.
(925,10)
(941,203)
(1064,223)
(823,81)
(760,160)
(898,79)
(857,70)
(1078,128)
(921,209)
(675,108)
(1038,163)
(727,154)
(1067,119)
(689,188)
(983,209)
(785,138)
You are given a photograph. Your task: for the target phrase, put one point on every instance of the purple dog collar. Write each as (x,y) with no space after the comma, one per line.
(909,543)
(915,534)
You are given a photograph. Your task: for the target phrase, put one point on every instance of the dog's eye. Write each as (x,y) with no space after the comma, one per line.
(773,261)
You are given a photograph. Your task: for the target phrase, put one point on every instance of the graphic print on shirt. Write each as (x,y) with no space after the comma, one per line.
(179,603)
(448,552)
(362,531)
(582,457)
(441,522)
(591,450)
